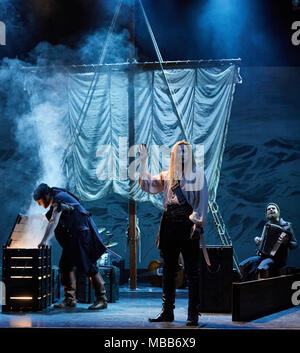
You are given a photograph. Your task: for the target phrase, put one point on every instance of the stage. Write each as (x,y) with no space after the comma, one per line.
(132,312)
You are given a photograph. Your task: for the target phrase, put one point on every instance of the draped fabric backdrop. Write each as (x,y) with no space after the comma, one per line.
(97,161)
(260,162)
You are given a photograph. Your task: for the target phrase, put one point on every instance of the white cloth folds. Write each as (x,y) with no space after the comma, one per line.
(97,162)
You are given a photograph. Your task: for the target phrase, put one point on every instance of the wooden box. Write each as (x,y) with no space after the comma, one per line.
(26,274)
(216,282)
(255,299)
(85,292)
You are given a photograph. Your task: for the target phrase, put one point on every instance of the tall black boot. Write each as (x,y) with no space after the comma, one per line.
(101,300)
(168,298)
(69,283)
(194,299)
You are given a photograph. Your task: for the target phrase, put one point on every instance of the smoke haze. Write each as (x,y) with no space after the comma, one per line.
(34,119)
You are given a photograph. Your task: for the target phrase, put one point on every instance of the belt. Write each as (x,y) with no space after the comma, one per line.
(178,213)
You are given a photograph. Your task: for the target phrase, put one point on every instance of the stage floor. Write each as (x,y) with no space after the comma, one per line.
(132,311)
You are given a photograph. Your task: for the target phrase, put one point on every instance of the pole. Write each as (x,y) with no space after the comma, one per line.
(131,116)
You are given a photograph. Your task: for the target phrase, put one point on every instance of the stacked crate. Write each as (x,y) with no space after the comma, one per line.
(56,284)
(26,274)
(85,292)
(216,281)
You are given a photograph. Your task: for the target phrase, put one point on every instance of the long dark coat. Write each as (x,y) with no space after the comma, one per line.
(77,234)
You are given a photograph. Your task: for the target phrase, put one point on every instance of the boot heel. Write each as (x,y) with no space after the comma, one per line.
(163,316)
(98,305)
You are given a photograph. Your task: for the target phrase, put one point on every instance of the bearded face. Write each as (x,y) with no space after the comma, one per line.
(272,213)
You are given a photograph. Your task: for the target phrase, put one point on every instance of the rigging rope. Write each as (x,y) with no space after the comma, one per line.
(160,59)
(225,238)
(93,84)
(222,232)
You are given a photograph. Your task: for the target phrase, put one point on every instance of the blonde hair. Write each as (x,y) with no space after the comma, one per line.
(175,171)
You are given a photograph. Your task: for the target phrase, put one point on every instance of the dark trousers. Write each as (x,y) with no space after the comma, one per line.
(174,238)
(67,264)
(254,266)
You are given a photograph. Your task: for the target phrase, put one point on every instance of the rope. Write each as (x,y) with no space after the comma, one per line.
(222,232)
(160,59)
(93,83)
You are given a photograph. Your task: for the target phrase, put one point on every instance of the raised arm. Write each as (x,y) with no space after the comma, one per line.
(147,182)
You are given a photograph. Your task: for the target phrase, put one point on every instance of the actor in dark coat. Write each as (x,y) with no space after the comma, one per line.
(78,236)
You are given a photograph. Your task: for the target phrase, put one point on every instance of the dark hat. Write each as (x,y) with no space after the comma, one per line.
(274,204)
(41,191)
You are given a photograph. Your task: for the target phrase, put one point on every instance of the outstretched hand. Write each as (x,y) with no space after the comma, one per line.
(143,152)
(257,240)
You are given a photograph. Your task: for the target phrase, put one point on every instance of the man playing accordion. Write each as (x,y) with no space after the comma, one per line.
(276,239)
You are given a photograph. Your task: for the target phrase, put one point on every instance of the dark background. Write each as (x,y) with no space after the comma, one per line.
(258,31)
(261,160)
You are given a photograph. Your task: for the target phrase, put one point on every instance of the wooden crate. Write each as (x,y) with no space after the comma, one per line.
(56,284)
(26,274)
(254,299)
(216,282)
(85,292)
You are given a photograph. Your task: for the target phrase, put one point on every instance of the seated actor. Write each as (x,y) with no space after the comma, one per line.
(185,203)
(77,234)
(272,255)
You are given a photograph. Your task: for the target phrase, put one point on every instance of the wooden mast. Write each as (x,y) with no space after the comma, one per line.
(131,127)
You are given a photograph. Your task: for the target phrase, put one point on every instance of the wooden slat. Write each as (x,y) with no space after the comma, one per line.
(17,281)
(254,299)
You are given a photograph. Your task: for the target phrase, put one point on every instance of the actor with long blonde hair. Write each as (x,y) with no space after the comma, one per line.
(185,203)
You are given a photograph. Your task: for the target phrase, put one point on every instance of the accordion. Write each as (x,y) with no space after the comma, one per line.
(270,242)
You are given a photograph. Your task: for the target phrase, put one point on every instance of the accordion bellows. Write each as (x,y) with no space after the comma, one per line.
(270,242)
